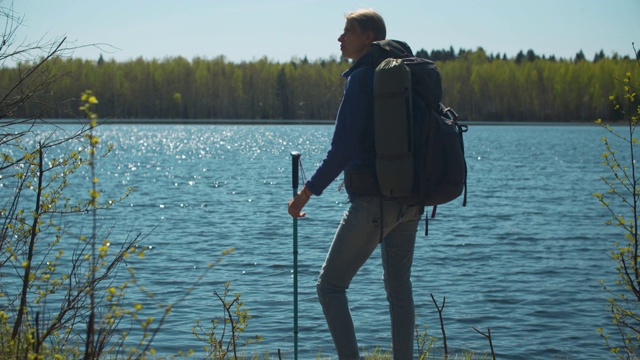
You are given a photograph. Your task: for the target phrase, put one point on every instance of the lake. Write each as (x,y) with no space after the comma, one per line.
(525,257)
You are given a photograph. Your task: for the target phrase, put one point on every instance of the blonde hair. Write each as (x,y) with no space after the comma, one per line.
(368,20)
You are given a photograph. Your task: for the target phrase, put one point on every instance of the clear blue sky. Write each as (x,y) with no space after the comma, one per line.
(245,30)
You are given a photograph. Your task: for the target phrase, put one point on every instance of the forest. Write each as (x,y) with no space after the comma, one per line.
(479,86)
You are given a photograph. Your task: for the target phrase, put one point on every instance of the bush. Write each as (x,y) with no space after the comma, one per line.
(621,200)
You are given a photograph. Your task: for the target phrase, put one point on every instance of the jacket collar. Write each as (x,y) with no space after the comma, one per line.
(363,61)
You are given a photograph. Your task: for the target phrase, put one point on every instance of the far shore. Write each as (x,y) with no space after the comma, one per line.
(262,122)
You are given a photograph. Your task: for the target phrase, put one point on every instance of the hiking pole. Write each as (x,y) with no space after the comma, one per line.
(295,161)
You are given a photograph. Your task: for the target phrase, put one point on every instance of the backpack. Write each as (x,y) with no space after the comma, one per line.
(419,145)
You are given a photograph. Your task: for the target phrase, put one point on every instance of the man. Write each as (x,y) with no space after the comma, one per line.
(371,218)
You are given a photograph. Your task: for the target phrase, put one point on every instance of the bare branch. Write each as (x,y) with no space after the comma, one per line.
(488,336)
(444,335)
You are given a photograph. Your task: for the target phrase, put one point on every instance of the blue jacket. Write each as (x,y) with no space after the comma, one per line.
(352,145)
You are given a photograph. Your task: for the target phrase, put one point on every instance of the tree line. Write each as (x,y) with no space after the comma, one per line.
(480,86)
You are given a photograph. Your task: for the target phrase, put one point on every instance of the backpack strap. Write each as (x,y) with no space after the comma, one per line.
(461,129)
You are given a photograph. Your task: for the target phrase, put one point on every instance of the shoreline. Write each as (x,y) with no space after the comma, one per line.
(268,122)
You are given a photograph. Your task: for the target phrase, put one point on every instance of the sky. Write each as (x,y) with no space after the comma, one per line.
(282,30)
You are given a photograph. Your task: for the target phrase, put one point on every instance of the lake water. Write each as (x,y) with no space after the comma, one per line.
(524,257)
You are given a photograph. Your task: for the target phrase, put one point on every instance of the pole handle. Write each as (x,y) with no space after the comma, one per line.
(295,160)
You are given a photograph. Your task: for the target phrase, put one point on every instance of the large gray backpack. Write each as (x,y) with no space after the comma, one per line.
(419,145)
